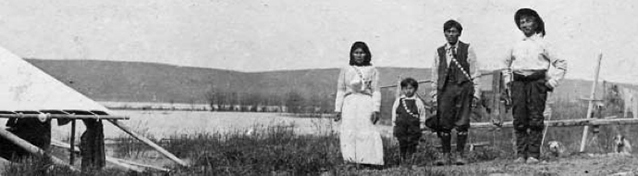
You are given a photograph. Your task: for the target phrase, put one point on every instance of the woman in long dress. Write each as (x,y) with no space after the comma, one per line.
(357,104)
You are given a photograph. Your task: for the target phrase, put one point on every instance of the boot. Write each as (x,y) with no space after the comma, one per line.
(459,159)
(461,139)
(532,160)
(519,160)
(442,159)
(534,138)
(446,146)
(402,152)
(521,143)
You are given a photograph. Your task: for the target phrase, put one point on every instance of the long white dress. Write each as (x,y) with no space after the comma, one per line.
(358,96)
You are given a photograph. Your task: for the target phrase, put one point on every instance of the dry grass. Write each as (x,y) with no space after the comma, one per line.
(279,150)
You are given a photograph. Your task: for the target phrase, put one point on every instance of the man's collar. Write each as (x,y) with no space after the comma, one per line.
(413,97)
(448,45)
(533,37)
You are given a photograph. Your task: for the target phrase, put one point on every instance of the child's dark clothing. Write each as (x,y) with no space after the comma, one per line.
(408,115)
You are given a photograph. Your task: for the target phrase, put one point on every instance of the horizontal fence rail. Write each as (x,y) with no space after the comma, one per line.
(64,116)
(565,123)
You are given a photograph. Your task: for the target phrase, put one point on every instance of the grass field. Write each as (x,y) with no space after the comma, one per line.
(292,148)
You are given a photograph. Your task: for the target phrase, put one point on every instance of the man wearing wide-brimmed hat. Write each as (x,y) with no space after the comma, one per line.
(526,75)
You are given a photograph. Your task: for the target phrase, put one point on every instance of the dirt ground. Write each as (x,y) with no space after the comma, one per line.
(581,165)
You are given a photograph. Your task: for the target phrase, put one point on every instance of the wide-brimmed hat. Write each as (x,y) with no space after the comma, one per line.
(529,12)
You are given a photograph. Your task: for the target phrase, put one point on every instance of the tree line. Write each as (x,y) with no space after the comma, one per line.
(291,101)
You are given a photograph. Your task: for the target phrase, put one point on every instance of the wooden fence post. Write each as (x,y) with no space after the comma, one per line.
(590,108)
(72,141)
(398,88)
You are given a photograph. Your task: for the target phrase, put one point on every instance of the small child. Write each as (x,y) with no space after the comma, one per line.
(408,116)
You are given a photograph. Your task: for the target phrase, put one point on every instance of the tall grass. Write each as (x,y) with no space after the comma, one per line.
(38,166)
(277,150)
(127,146)
(273,150)
(268,150)
(569,136)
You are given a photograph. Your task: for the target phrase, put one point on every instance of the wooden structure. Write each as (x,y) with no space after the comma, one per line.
(590,106)
(47,115)
(149,143)
(32,148)
(28,92)
(130,165)
(493,93)
(69,116)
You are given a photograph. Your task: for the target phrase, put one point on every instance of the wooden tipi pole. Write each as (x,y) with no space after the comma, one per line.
(148,142)
(32,148)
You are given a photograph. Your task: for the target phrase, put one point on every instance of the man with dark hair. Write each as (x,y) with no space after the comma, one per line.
(455,87)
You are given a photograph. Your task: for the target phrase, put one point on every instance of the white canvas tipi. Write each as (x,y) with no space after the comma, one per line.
(24,87)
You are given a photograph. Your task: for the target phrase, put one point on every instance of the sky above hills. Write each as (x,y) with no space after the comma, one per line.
(261,35)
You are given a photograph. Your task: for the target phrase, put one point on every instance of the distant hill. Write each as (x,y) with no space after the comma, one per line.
(152,82)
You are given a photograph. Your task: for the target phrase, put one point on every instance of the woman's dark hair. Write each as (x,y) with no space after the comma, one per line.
(409,81)
(540,28)
(364,47)
(452,23)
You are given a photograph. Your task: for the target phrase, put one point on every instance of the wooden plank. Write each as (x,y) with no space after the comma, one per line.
(430,81)
(143,165)
(120,162)
(566,123)
(64,116)
(108,159)
(395,85)
(148,142)
(33,149)
(475,144)
(589,99)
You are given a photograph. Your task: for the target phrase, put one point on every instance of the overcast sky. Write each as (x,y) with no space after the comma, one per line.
(260,35)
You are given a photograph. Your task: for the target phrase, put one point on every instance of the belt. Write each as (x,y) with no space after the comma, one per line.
(533,76)
(362,93)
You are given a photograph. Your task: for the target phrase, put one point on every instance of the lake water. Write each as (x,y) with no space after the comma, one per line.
(162,124)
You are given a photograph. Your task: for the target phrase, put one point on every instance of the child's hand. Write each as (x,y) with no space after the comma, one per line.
(374,118)
(435,105)
(433,98)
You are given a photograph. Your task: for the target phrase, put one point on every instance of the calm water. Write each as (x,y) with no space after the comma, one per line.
(162,124)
